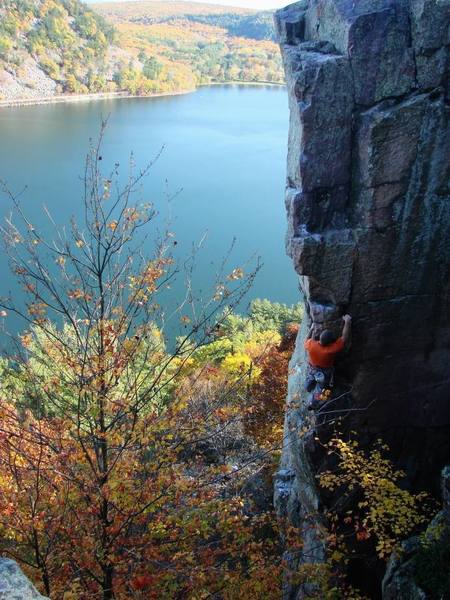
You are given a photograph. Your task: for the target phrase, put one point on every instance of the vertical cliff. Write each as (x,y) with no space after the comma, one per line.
(368,205)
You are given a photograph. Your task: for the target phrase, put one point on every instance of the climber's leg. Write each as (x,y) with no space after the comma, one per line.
(322,380)
(310,384)
(310,381)
(328,377)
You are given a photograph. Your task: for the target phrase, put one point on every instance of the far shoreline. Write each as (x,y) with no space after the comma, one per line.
(72,98)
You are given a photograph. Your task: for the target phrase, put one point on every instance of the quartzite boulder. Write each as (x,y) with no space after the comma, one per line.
(13,583)
(368,205)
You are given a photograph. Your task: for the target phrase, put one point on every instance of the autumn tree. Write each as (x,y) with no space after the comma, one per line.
(264,419)
(103,492)
(379,508)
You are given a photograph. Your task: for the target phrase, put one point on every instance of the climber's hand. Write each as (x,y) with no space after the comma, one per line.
(347,326)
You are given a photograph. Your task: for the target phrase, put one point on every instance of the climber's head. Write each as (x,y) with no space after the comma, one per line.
(327,337)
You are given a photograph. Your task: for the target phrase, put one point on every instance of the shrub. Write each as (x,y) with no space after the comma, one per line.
(5,47)
(431,566)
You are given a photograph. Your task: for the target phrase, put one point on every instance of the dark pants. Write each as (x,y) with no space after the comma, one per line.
(318,375)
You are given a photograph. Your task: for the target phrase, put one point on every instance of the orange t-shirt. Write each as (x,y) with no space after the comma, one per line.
(323,356)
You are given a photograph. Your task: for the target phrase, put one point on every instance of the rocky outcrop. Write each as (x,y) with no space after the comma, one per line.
(420,570)
(13,583)
(368,198)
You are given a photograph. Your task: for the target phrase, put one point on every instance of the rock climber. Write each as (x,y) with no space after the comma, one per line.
(321,355)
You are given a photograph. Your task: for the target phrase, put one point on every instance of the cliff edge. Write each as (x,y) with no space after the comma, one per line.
(368,198)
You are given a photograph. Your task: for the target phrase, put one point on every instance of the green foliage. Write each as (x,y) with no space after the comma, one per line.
(73,86)
(242,341)
(263,316)
(86,24)
(152,68)
(431,563)
(257,27)
(238,335)
(5,46)
(10,25)
(323,582)
(39,370)
(50,67)
(96,82)
(273,315)
(131,79)
(239,342)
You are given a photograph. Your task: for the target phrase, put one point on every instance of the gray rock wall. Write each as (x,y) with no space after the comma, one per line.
(368,206)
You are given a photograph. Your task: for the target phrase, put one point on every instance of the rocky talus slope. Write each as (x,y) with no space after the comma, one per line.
(53,48)
(368,199)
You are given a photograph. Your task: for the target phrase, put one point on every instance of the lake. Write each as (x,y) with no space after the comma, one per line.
(224,152)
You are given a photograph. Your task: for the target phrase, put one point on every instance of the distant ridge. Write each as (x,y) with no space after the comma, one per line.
(173,8)
(215,43)
(239,22)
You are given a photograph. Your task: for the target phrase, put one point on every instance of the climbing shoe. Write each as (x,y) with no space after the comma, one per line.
(315,404)
(310,383)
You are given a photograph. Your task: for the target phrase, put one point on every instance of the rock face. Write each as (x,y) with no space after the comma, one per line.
(368,205)
(13,583)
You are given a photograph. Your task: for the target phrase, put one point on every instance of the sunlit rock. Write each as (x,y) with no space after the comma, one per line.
(13,583)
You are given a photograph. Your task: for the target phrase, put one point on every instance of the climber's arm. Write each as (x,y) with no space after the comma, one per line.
(311,331)
(347,327)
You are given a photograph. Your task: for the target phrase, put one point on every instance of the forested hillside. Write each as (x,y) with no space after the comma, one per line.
(50,47)
(237,21)
(257,27)
(53,46)
(197,43)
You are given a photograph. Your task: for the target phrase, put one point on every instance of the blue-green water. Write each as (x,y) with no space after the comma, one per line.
(224,146)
